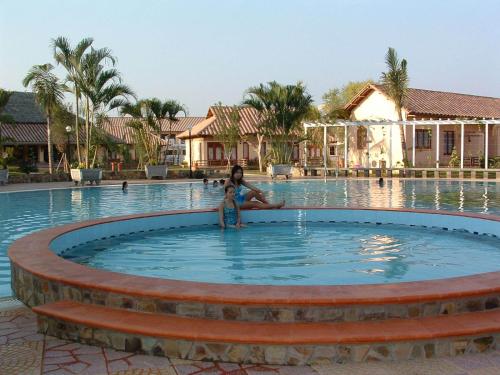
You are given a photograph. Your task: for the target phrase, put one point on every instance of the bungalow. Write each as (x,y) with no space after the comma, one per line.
(207,149)
(428,144)
(173,146)
(26,137)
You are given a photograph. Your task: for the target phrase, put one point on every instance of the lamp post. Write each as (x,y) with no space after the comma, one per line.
(190,154)
(68,132)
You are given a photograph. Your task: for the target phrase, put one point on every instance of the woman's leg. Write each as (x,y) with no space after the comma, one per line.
(253,194)
(257,204)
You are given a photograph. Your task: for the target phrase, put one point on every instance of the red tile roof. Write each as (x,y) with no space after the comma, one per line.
(430,103)
(212,124)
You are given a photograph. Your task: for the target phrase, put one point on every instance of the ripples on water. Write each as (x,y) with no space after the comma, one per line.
(25,212)
(295,254)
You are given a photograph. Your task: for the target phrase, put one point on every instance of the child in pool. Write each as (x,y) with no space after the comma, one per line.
(215,183)
(205,183)
(124,186)
(244,200)
(229,212)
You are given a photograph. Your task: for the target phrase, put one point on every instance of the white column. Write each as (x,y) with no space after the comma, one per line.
(390,145)
(413,153)
(368,145)
(462,128)
(437,145)
(324,148)
(346,164)
(305,148)
(486,148)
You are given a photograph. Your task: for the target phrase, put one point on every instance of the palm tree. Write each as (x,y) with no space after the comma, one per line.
(71,60)
(172,109)
(49,92)
(4,99)
(395,81)
(142,123)
(102,89)
(281,108)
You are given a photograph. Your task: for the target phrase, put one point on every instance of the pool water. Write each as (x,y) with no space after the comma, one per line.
(25,212)
(295,254)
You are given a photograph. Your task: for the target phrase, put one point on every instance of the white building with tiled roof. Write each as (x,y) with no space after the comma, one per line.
(372,144)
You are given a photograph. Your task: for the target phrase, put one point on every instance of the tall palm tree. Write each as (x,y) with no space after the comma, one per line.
(395,81)
(282,107)
(4,118)
(49,92)
(71,59)
(102,89)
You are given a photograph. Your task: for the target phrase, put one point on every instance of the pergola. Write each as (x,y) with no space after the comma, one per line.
(413,123)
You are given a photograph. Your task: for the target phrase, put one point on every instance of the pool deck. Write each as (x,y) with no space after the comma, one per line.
(24,351)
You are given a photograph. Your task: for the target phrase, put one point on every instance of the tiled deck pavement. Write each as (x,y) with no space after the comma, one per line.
(23,351)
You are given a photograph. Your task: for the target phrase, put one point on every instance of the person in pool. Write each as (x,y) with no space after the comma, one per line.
(246,200)
(124,186)
(229,212)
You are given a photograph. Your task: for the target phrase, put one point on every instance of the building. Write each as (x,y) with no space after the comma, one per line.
(379,145)
(207,149)
(173,148)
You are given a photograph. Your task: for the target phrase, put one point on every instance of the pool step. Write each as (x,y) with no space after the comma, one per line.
(270,342)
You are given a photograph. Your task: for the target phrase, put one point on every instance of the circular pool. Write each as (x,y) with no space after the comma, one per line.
(294,252)
(274,324)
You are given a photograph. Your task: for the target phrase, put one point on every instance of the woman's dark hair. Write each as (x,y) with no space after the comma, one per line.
(235,169)
(228,187)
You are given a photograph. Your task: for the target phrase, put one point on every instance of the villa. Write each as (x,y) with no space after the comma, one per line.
(429,142)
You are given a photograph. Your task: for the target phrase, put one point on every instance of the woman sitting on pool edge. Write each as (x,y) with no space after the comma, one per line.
(244,200)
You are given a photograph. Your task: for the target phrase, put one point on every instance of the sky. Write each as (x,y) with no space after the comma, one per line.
(200,52)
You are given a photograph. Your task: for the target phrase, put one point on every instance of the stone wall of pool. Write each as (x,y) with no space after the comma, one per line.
(59,290)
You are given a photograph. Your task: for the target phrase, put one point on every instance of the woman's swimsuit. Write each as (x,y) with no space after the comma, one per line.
(230,215)
(239,196)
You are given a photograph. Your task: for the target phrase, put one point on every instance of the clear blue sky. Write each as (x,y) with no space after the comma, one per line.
(201,52)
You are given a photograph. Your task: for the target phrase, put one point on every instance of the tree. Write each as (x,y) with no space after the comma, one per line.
(229,131)
(335,99)
(103,91)
(395,82)
(281,108)
(142,124)
(4,118)
(173,108)
(71,60)
(48,93)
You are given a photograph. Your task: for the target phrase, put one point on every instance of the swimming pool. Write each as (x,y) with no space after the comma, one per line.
(25,212)
(295,253)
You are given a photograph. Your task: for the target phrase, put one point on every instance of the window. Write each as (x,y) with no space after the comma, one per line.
(361,138)
(449,142)
(263,149)
(423,139)
(333,150)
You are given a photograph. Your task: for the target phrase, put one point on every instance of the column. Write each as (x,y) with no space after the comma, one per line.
(437,145)
(346,139)
(324,149)
(462,135)
(390,144)
(413,153)
(305,148)
(486,148)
